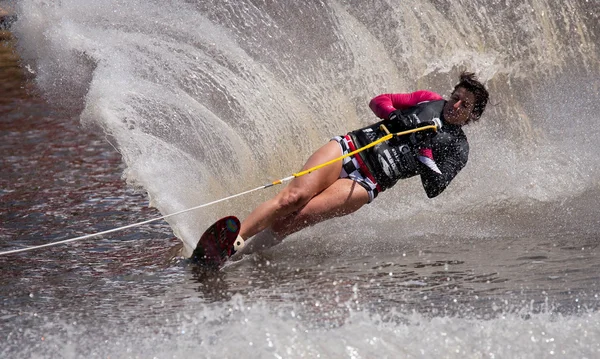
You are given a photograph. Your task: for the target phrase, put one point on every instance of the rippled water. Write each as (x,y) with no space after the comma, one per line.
(311,296)
(503,266)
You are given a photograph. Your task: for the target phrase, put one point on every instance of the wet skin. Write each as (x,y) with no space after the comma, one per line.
(458,110)
(322,195)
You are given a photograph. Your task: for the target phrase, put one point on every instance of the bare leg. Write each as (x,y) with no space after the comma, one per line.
(341,198)
(298,193)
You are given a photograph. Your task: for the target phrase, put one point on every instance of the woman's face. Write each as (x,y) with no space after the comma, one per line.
(459,107)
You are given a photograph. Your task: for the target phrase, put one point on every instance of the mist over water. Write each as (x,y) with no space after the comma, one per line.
(204,99)
(203,96)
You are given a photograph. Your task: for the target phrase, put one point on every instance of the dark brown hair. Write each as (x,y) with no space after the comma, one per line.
(471,83)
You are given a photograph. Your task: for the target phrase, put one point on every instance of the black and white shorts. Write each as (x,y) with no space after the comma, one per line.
(352,169)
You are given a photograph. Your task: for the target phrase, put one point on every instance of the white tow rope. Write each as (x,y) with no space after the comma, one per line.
(389,135)
(130,225)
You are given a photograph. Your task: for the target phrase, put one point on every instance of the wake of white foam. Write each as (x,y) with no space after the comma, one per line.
(241,329)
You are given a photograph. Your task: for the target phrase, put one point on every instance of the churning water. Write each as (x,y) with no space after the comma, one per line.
(204,99)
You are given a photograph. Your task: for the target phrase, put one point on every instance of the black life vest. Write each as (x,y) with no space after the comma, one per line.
(395,159)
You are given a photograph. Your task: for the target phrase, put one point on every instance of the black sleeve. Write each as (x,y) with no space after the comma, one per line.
(450,159)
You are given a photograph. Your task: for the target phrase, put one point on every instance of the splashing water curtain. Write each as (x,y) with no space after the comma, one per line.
(277,182)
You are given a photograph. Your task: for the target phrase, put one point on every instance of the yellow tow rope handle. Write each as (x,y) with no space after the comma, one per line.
(374,143)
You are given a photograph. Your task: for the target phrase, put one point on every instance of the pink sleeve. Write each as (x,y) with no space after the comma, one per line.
(384,104)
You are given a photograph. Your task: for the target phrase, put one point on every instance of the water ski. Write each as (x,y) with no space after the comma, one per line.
(216,244)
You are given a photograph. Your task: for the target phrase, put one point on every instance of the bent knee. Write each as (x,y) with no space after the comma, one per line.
(292,199)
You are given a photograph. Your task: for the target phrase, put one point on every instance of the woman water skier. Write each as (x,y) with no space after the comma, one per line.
(345,186)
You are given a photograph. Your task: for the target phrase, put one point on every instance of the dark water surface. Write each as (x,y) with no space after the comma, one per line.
(61,181)
(486,273)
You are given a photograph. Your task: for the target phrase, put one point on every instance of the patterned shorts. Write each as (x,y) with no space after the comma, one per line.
(351,168)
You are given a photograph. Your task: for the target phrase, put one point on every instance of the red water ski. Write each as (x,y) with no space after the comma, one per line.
(216,244)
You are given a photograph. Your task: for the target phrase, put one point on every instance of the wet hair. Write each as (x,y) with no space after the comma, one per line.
(471,83)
